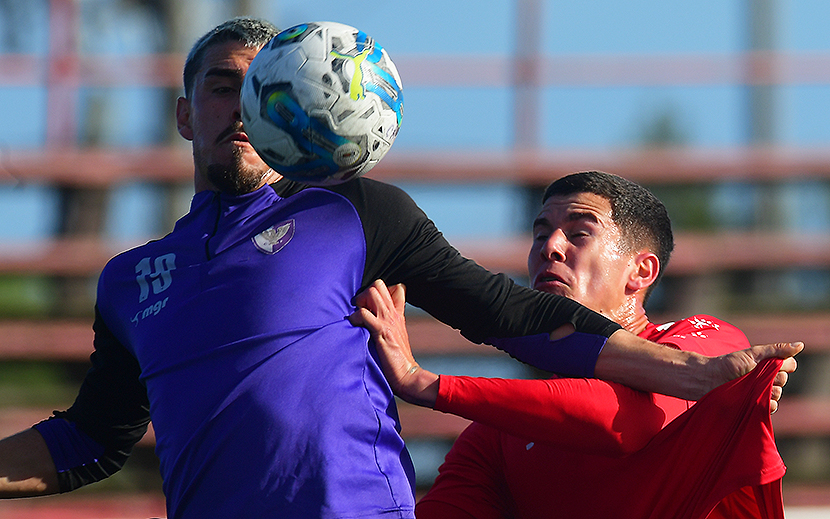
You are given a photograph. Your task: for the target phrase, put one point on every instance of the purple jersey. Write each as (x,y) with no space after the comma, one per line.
(231,334)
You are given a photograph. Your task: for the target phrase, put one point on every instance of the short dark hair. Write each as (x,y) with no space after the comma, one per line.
(641,217)
(252,32)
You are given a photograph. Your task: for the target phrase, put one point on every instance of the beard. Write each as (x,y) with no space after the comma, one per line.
(235,178)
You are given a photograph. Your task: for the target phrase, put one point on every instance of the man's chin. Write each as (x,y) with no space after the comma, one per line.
(235,181)
(243,173)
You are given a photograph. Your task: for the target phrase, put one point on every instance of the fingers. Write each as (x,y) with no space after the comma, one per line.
(781,379)
(371,296)
(789,365)
(779,382)
(374,298)
(781,350)
(380,309)
(379,294)
(359,317)
(397,294)
(738,363)
(372,304)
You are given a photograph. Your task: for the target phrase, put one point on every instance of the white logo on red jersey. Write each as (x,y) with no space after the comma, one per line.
(697,322)
(700,323)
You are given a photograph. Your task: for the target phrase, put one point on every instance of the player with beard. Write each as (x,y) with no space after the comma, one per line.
(230,333)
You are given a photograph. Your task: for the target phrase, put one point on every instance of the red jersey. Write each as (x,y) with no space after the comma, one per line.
(592,449)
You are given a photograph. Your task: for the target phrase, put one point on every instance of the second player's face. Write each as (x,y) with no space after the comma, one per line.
(212,119)
(577,253)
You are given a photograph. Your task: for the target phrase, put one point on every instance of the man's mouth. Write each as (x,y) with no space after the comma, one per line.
(234,133)
(548,281)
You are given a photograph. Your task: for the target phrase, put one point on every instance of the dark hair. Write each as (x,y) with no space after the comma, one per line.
(641,217)
(252,32)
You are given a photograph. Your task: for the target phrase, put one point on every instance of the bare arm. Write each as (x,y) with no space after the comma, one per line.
(26,467)
(381,311)
(643,365)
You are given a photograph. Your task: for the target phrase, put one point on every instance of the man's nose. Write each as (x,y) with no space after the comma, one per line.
(554,247)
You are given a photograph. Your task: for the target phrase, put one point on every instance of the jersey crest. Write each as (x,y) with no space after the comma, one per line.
(273,239)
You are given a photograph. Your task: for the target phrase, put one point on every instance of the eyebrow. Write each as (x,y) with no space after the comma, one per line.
(224,72)
(582,215)
(573,216)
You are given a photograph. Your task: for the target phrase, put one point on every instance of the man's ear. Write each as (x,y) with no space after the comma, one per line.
(183,118)
(644,273)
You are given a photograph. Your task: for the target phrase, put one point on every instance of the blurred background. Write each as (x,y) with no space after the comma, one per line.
(721,107)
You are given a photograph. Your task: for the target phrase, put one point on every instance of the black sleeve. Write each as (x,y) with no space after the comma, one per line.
(111,408)
(404,246)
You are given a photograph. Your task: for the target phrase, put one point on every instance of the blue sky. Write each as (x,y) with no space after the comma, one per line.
(470,118)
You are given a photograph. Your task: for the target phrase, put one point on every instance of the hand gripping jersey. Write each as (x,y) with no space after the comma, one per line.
(593,449)
(231,334)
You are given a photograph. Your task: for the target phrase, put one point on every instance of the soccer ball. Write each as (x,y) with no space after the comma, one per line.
(322,103)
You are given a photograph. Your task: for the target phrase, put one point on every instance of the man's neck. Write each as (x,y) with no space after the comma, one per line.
(201,182)
(632,318)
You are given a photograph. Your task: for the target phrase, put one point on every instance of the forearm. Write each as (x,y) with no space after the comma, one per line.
(638,363)
(418,386)
(26,467)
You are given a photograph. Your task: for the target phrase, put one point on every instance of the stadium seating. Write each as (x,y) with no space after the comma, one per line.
(703,261)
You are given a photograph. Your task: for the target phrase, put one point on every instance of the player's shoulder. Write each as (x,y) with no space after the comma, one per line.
(370,187)
(360,191)
(374,199)
(132,256)
(702,333)
(699,322)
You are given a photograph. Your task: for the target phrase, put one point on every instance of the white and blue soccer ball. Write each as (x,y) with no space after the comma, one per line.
(322,103)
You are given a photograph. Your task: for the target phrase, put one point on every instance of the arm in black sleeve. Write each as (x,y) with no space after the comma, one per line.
(110,415)
(404,246)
